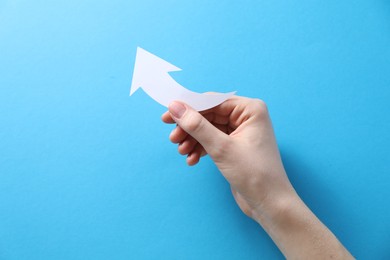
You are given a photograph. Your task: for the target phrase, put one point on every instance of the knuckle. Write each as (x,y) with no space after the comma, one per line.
(260,107)
(181,150)
(221,149)
(194,124)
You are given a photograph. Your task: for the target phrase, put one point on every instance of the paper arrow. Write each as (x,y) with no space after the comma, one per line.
(151,73)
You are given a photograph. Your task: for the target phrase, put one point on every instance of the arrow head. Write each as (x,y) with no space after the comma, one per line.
(148,65)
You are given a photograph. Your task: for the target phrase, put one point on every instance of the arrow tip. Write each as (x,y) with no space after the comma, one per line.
(147,65)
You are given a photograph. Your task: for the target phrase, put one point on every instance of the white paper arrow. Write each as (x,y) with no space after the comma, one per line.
(151,74)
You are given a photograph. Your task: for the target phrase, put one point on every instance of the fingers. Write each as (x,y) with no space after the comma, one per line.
(194,157)
(209,115)
(166,118)
(177,135)
(187,146)
(207,132)
(192,122)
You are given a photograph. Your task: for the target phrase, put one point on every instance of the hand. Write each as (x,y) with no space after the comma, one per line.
(238,136)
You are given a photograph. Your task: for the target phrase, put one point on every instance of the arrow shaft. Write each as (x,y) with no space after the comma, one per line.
(174,91)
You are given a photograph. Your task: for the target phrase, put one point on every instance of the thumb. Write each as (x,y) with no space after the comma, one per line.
(212,139)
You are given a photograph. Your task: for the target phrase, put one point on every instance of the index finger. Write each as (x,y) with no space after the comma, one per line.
(166,118)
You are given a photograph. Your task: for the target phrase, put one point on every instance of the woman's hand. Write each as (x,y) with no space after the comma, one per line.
(239,137)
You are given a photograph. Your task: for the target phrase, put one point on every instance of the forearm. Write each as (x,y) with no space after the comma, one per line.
(239,137)
(297,232)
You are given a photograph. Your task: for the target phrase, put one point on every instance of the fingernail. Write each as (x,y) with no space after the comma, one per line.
(177,109)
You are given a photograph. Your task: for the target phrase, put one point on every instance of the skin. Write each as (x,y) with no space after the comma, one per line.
(239,137)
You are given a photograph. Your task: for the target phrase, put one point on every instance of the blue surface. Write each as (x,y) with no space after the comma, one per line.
(87,172)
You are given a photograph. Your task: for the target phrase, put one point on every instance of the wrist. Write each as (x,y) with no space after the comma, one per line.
(297,231)
(277,209)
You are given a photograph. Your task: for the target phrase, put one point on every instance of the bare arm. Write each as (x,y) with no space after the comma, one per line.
(239,137)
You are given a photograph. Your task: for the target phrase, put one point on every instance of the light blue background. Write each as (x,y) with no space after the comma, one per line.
(87,172)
